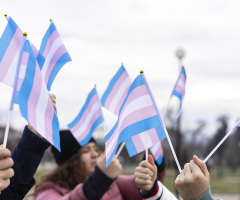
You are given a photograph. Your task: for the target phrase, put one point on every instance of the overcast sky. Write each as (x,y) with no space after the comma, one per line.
(100,35)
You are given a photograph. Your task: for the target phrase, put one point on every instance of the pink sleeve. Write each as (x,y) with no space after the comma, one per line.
(55,193)
(128,187)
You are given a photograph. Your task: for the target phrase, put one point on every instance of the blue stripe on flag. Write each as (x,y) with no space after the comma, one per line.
(111,84)
(159,160)
(132,130)
(27,84)
(130,145)
(62,60)
(75,121)
(107,137)
(40,59)
(50,30)
(98,121)
(7,37)
(160,132)
(55,130)
(177,94)
(184,72)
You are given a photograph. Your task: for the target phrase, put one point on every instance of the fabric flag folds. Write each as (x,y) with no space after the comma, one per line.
(157,152)
(116,91)
(137,114)
(55,55)
(33,98)
(179,88)
(9,52)
(88,119)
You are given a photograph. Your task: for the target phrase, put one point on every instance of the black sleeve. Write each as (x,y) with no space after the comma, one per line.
(95,186)
(26,157)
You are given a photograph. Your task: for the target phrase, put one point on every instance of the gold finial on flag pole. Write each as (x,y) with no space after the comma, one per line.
(182,66)
(24,34)
(95,85)
(5,15)
(50,20)
(141,71)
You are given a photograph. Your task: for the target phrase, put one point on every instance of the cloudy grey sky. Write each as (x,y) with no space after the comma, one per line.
(100,35)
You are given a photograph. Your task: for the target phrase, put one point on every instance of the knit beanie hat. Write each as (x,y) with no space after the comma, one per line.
(69,146)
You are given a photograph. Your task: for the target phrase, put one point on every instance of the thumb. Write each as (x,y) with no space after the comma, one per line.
(151,160)
(201,164)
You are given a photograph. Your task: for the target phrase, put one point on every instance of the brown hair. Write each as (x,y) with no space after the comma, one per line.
(68,175)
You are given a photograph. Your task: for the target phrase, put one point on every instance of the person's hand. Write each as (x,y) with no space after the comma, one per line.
(53,99)
(193,180)
(146,174)
(6,172)
(113,170)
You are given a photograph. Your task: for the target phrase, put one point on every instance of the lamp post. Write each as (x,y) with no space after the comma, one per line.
(180,53)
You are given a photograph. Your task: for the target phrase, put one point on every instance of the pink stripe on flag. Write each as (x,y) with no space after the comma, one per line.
(93,119)
(182,77)
(134,117)
(138,143)
(50,41)
(34,97)
(136,93)
(25,56)
(60,51)
(180,90)
(35,51)
(119,104)
(115,89)
(86,112)
(158,153)
(49,114)
(10,54)
(153,135)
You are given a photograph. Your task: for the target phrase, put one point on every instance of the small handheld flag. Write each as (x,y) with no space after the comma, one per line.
(116,91)
(33,98)
(137,115)
(55,55)
(179,88)
(10,42)
(88,119)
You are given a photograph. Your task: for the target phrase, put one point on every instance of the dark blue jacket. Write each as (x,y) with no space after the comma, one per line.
(26,156)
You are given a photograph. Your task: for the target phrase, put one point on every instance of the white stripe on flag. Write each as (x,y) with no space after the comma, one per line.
(134,105)
(146,140)
(41,108)
(56,44)
(119,94)
(155,148)
(86,121)
(9,78)
(181,83)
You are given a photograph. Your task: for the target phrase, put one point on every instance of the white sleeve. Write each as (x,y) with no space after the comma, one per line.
(160,192)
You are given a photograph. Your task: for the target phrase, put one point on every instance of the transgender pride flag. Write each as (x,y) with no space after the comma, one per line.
(55,54)
(179,88)
(33,98)
(88,119)
(9,52)
(156,150)
(116,91)
(137,114)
